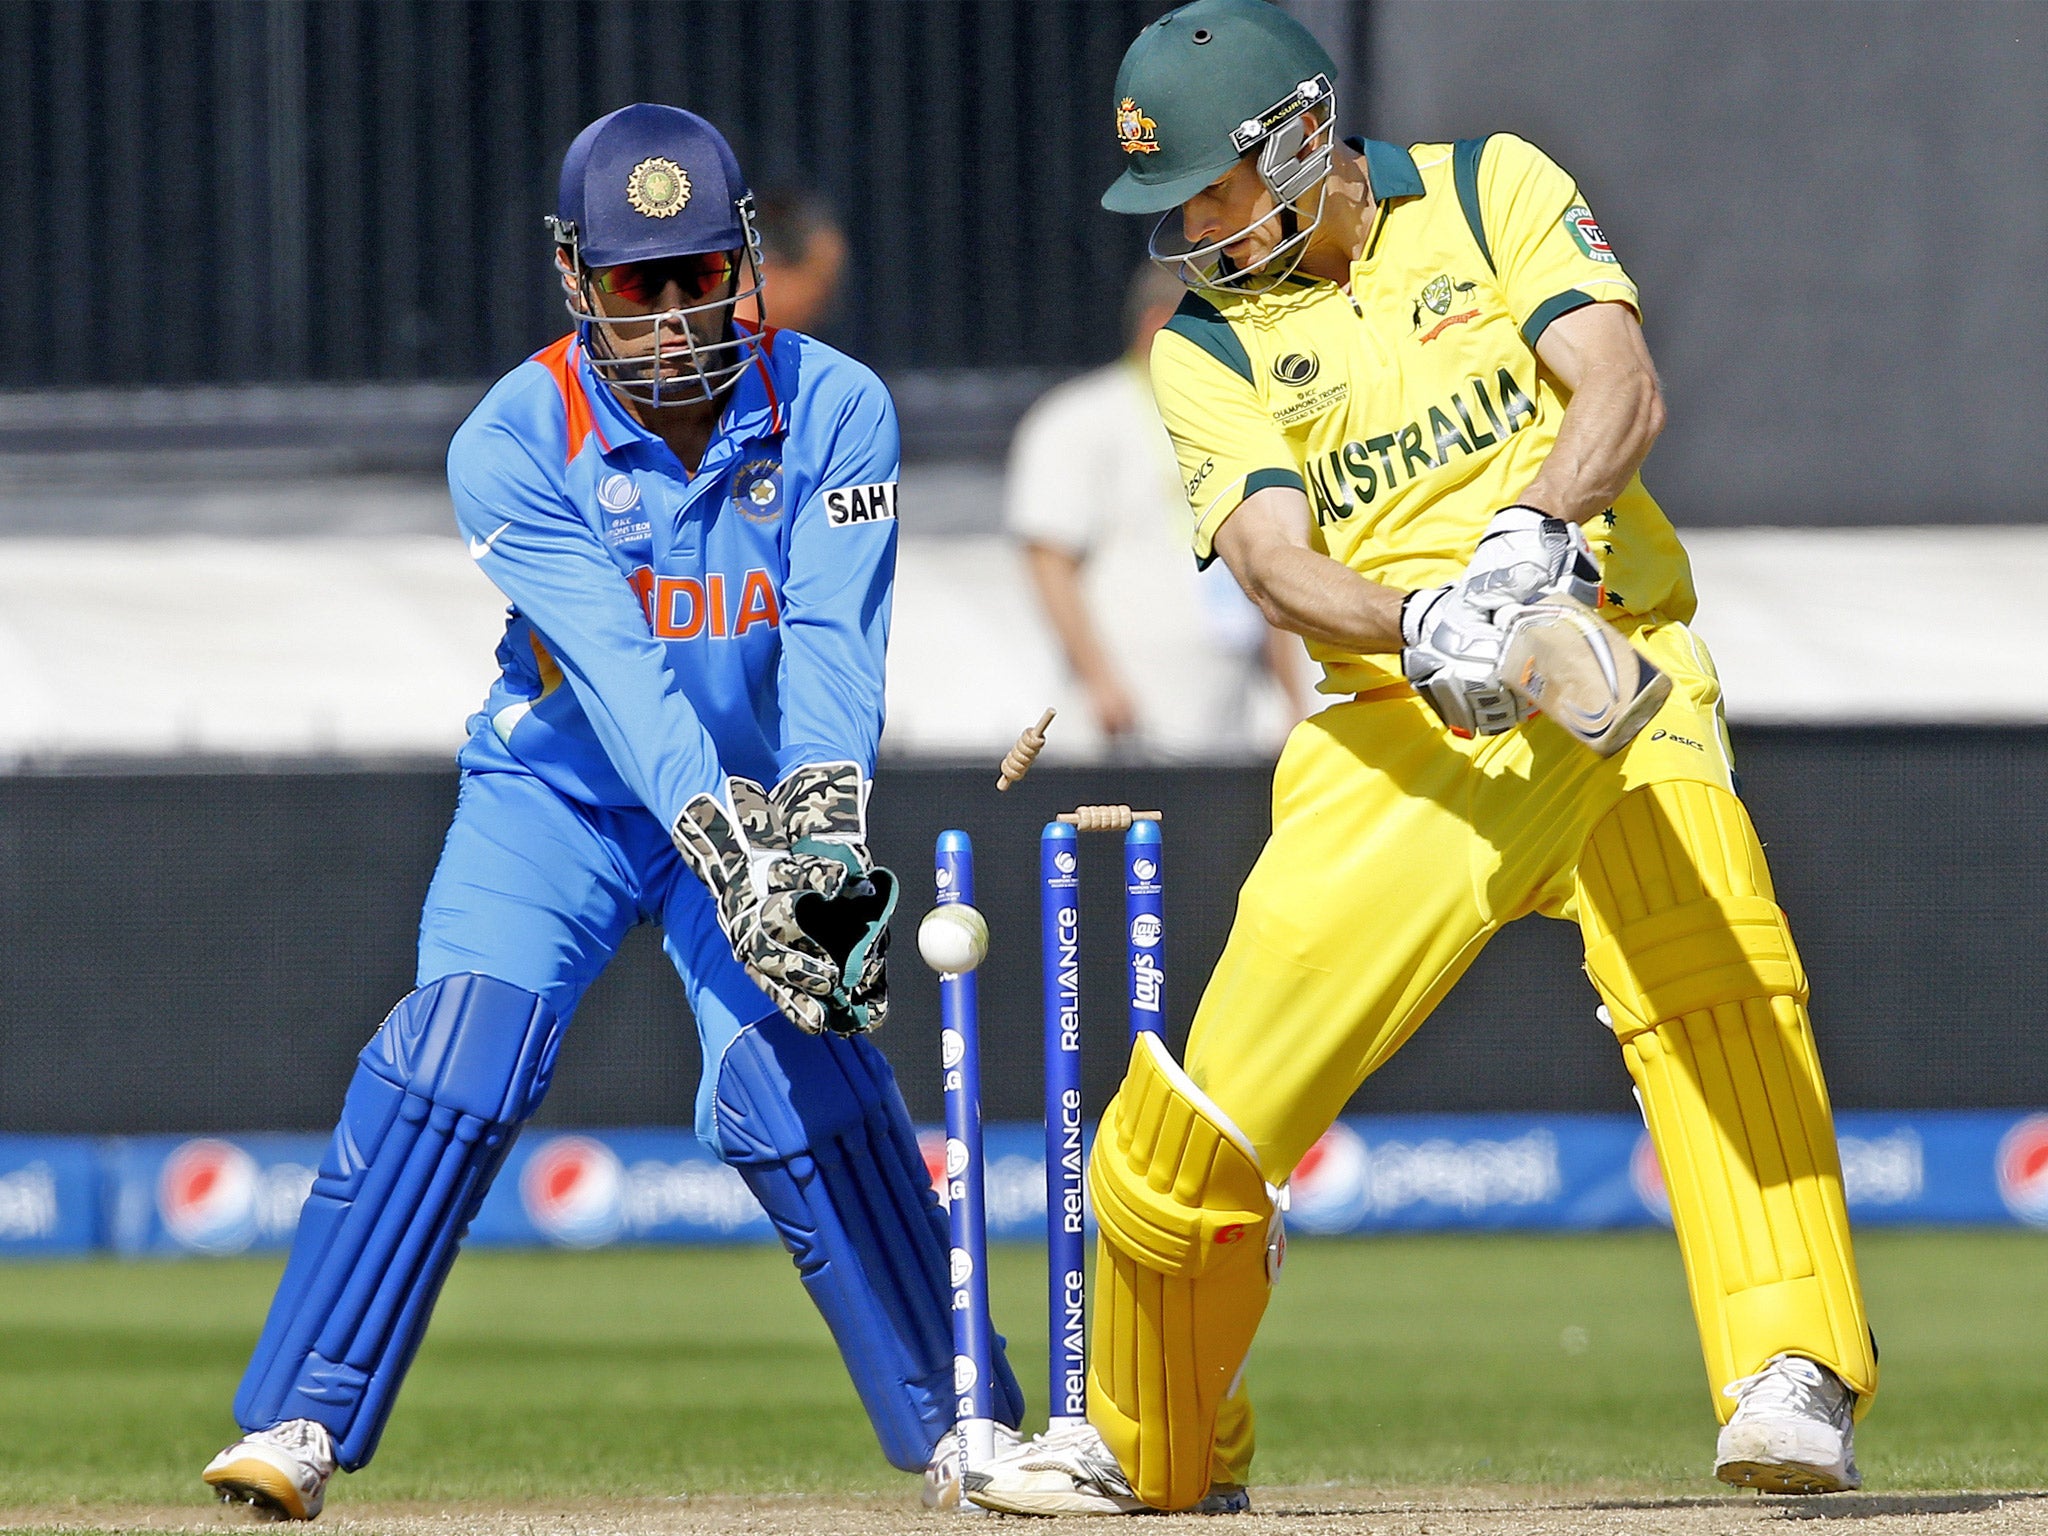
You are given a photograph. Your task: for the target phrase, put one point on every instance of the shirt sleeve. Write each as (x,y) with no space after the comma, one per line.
(1550,253)
(546,560)
(1224,440)
(836,597)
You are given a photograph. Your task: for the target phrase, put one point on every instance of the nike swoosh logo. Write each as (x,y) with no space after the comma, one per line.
(478,548)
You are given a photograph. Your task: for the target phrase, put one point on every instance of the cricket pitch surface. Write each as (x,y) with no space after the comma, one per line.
(1278,1512)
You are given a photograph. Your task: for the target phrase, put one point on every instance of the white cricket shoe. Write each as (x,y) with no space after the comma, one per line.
(282,1470)
(942,1473)
(1070,1471)
(1793,1430)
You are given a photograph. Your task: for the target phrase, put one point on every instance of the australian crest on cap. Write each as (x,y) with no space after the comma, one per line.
(658,188)
(1134,130)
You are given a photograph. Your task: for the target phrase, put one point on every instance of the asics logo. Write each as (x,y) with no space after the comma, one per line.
(478,548)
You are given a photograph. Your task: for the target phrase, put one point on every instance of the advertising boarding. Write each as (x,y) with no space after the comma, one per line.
(583,1189)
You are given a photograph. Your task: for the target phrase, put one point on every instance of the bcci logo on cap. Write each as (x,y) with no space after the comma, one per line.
(574,1191)
(206,1195)
(2023,1170)
(658,188)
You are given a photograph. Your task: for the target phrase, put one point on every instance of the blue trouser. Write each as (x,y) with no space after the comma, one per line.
(533,895)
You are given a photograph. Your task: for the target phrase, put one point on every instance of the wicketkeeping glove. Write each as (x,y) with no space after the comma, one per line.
(822,808)
(1526,555)
(737,847)
(1452,656)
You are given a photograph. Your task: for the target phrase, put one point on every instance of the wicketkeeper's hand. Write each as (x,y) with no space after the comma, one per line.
(1526,555)
(1452,656)
(738,848)
(823,813)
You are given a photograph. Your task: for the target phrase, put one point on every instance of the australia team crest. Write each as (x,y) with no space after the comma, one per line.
(1136,132)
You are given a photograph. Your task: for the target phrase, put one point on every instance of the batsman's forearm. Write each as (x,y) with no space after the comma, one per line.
(1309,594)
(1607,431)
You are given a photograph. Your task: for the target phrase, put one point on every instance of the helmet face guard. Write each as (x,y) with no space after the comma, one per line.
(1295,152)
(659,359)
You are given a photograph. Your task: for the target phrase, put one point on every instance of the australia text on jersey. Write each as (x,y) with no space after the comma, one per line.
(1348,478)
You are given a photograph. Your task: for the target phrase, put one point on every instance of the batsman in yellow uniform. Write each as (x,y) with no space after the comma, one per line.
(1410,386)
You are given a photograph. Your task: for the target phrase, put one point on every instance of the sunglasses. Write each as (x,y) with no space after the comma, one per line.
(643,282)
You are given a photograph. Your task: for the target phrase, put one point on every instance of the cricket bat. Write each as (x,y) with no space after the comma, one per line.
(1573,666)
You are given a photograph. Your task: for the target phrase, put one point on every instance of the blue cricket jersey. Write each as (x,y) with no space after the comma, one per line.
(668,629)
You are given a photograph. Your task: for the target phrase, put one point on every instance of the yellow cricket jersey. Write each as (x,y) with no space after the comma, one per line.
(1413,408)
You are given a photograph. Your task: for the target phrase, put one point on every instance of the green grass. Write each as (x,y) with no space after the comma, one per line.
(1408,1363)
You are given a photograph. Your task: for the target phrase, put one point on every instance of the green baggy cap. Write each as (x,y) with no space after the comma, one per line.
(1202,85)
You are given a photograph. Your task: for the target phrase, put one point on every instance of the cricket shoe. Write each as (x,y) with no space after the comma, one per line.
(282,1470)
(942,1472)
(1070,1471)
(1793,1430)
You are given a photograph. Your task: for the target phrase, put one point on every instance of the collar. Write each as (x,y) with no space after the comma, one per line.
(754,411)
(1390,168)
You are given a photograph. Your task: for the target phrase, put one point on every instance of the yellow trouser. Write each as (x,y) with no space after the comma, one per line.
(1398,850)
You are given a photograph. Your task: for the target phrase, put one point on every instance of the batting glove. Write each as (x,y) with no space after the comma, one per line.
(1452,657)
(1526,555)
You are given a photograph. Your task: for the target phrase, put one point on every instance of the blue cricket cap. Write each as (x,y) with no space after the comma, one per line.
(649,181)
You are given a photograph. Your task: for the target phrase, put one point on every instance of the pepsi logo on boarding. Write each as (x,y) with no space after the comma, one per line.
(573,1190)
(1327,1192)
(2023,1170)
(206,1196)
(1646,1178)
(931,1146)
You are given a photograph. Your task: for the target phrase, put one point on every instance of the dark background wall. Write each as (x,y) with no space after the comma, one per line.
(270,190)
(1835,207)
(208,951)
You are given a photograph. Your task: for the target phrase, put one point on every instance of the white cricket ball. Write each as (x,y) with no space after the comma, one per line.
(953,939)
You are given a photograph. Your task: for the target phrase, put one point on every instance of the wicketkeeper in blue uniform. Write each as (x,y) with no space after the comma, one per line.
(694,518)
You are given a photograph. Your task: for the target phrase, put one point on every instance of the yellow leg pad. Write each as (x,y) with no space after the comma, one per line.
(1696,964)
(1181,1279)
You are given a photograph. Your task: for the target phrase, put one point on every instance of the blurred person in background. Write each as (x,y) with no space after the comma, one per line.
(694,517)
(1174,661)
(803,256)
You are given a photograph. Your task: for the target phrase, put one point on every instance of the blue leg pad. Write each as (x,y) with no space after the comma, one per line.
(438,1096)
(816,1127)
